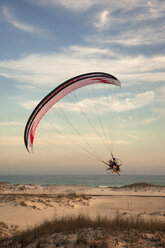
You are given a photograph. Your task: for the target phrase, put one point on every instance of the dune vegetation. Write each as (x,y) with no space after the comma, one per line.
(98,231)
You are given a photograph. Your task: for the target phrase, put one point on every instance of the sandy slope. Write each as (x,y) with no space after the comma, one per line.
(22,206)
(26,205)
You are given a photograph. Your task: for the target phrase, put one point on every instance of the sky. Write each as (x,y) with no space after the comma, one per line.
(45,42)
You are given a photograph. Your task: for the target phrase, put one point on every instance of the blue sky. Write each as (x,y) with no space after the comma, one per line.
(45,42)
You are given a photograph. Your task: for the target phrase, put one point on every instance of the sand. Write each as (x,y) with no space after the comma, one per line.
(27,205)
(23,206)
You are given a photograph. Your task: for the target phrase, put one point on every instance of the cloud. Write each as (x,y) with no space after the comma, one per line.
(11,141)
(127,104)
(138,19)
(156,8)
(29,105)
(129,23)
(136,36)
(122,142)
(134,137)
(159,111)
(48,69)
(20,25)
(116,13)
(87,51)
(161,94)
(11,123)
(88,105)
(74,139)
(136,102)
(152,9)
(102,20)
(151,119)
(68,4)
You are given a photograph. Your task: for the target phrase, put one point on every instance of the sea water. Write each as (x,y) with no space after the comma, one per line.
(84,180)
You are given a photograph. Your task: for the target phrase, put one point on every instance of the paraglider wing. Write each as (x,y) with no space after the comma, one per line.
(57,94)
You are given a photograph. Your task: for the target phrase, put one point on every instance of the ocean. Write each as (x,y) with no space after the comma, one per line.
(84,180)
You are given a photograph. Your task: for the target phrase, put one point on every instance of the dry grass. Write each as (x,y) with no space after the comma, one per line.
(75,223)
(69,196)
(55,197)
(23,203)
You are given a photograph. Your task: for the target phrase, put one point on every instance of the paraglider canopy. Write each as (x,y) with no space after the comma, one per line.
(57,94)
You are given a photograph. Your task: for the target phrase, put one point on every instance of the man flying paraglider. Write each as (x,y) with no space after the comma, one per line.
(113,164)
(55,96)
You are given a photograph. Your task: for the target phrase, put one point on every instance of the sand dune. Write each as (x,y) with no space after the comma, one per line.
(23,206)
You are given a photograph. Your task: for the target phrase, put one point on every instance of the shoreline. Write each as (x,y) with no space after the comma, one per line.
(101,181)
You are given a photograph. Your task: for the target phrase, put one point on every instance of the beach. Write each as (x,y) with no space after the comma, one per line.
(25,206)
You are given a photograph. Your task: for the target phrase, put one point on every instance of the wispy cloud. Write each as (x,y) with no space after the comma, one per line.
(11,123)
(68,4)
(138,101)
(133,137)
(10,18)
(141,23)
(73,139)
(161,95)
(136,36)
(152,9)
(89,105)
(122,142)
(85,51)
(48,69)
(57,139)
(102,20)
(29,105)
(140,20)
(11,141)
(127,104)
(151,119)
(158,111)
